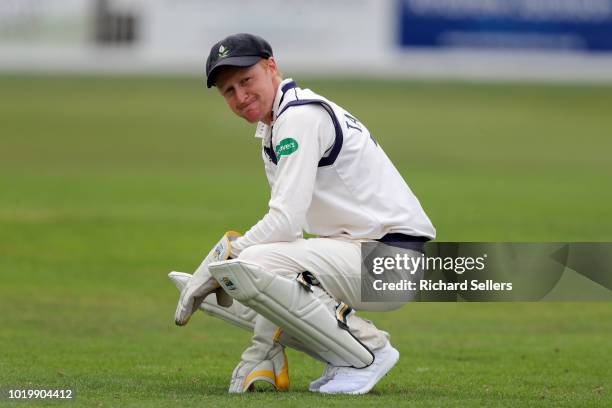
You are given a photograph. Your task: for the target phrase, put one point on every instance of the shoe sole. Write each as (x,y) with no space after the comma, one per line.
(389,364)
(316,389)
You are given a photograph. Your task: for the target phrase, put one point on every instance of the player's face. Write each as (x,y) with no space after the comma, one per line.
(250,91)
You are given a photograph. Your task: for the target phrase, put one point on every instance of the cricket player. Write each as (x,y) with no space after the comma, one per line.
(330,178)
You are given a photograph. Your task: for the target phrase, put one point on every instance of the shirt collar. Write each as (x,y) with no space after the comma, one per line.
(283,87)
(263,130)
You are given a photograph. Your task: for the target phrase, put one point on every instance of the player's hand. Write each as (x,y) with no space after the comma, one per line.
(202,283)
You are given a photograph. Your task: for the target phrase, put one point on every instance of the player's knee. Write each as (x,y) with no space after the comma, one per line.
(261,255)
(254,254)
(267,257)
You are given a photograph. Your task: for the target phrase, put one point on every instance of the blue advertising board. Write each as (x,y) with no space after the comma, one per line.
(582,25)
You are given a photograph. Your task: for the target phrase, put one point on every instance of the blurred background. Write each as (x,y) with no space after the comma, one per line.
(117,165)
(475,39)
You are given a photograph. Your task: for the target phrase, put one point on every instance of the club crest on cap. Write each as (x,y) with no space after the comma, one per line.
(223,52)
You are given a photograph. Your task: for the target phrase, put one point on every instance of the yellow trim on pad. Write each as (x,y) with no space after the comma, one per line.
(282,378)
(277,334)
(259,375)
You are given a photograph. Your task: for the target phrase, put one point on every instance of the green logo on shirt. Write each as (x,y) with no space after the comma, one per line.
(285,147)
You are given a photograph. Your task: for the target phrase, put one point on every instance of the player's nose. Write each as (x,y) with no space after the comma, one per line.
(241,95)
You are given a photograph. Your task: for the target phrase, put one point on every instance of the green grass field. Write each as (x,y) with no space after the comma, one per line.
(109,183)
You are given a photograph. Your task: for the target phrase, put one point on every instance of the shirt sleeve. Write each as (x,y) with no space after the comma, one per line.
(300,138)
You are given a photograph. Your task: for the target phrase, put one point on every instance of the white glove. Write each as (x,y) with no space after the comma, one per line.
(203,284)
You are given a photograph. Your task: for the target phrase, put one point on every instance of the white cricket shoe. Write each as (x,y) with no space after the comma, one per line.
(361,380)
(328,374)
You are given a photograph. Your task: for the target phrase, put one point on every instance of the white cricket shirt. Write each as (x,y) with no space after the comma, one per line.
(328,177)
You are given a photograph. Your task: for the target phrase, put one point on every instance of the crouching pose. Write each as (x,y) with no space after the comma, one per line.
(330,178)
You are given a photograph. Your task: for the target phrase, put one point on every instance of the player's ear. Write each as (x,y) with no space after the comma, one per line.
(271,63)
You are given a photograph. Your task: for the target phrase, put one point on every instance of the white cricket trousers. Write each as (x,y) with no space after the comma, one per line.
(336,263)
